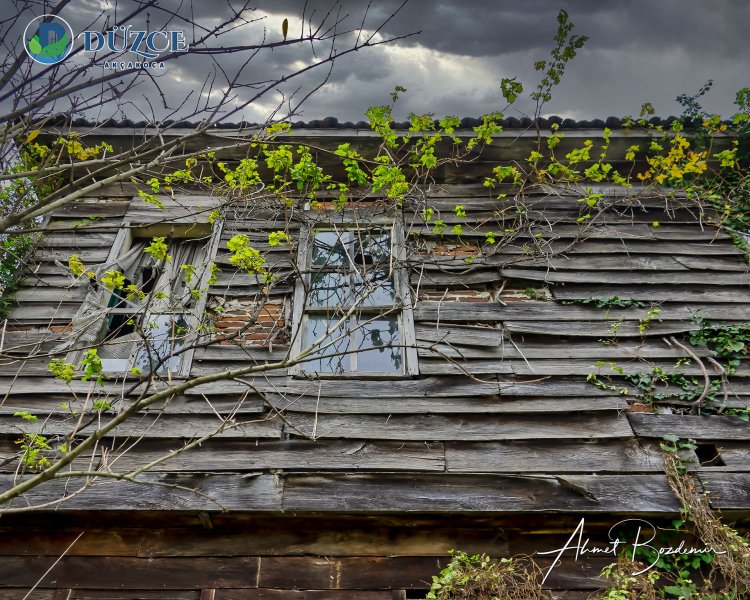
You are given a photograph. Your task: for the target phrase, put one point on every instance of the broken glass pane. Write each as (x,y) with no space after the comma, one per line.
(166,334)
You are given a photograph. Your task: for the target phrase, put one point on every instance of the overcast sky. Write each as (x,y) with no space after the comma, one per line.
(638,51)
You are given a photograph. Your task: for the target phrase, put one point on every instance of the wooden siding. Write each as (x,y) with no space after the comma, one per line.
(500,423)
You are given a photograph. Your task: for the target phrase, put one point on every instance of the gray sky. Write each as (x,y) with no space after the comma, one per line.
(638,51)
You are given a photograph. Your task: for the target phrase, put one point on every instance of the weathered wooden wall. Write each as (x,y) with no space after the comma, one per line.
(508,426)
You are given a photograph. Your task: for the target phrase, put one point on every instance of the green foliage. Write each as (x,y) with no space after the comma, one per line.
(477,576)
(157,249)
(62,370)
(277,237)
(113,280)
(91,367)
(245,257)
(510,89)
(566,46)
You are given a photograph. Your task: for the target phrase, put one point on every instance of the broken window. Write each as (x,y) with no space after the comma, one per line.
(154,313)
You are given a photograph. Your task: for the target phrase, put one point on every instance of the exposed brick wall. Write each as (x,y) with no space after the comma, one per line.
(235,314)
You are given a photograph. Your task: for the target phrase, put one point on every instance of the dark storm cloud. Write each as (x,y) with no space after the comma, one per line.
(639,50)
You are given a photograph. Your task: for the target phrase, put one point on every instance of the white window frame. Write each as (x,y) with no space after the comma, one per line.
(402,301)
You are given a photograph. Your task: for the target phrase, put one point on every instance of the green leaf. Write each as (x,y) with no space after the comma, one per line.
(34,46)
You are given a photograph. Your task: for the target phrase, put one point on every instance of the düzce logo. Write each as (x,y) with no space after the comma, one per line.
(48,39)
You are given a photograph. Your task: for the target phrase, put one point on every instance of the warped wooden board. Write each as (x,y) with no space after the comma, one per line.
(727,490)
(736,455)
(560,456)
(449,405)
(556,311)
(574,262)
(627,493)
(706,248)
(43,313)
(601,329)
(90,206)
(707,293)
(88,255)
(77,242)
(150,426)
(50,296)
(479,427)
(716,427)
(560,367)
(158,491)
(629,277)
(241,456)
(28,342)
(393,388)
(530,348)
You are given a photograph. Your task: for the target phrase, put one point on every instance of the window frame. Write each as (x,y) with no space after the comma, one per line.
(122,243)
(402,300)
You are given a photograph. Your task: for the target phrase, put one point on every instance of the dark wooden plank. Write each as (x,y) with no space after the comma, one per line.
(133,595)
(129,573)
(480,493)
(604,456)
(286,594)
(397,572)
(22,593)
(157,492)
(461,427)
(717,427)
(727,490)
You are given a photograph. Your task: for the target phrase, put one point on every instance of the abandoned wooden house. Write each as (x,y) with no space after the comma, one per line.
(495,374)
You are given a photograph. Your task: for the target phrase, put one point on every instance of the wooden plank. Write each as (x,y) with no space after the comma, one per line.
(628,277)
(450,405)
(297,455)
(334,535)
(717,427)
(727,490)
(396,572)
(479,493)
(461,427)
(129,573)
(396,388)
(736,455)
(153,426)
(431,311)
(117,594)
(601,329)
(253,492)
(285,594)
(707,294)
(604,456)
